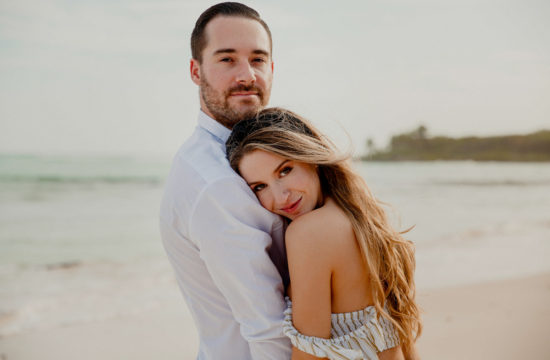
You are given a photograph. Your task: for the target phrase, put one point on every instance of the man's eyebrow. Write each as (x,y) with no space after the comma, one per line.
(260,52)
(231,51)
(224,51)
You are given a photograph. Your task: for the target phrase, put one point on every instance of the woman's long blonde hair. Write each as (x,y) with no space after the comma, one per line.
(388,257)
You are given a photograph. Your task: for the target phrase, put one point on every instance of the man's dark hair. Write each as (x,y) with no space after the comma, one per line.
(198,36)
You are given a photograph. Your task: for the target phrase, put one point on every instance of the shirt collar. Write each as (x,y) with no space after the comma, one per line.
(213,127)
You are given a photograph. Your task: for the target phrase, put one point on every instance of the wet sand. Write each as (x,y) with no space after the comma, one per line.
(502,320)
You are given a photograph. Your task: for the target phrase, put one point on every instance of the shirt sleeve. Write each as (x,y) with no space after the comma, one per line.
(233,231)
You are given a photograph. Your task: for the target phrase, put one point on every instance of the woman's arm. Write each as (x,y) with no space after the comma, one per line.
(413,354)
(397,353)
(394,353)
(298,354)
(310,267)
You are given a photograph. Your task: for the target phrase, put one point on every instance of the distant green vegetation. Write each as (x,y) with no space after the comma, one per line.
(417,145)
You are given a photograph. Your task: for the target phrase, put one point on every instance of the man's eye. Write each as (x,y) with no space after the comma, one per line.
(258,187)
(259,60)
(285,171)
(226,59)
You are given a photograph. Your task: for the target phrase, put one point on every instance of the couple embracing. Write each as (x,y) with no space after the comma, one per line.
(279,248)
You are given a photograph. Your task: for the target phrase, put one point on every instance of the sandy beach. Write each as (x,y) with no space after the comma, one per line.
(508,319)
(501,320)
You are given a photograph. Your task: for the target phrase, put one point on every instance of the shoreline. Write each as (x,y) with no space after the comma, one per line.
(504,319)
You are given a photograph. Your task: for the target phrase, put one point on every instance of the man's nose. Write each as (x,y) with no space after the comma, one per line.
(246,74)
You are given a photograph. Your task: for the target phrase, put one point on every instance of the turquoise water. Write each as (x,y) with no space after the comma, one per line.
(56,210)
(79,236)
(41,169)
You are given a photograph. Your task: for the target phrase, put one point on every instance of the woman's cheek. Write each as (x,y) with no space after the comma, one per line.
(264,201)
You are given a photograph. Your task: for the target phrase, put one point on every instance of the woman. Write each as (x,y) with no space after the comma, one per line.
(351,273)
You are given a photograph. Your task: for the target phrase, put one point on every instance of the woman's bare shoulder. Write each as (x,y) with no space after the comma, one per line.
(320,227)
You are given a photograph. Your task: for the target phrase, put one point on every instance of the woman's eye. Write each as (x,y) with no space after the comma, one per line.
(285,171)
(258,187)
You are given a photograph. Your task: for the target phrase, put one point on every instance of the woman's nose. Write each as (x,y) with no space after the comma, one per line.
(281,195)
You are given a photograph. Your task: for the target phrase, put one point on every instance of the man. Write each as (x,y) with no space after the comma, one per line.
(227,251)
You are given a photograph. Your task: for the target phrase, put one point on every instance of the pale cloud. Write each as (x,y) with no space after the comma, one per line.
(112,76)
(113,27)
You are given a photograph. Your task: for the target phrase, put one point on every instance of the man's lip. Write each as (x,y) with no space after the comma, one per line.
(244,93)
(292,207)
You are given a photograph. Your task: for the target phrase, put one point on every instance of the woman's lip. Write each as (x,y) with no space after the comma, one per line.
(290,209)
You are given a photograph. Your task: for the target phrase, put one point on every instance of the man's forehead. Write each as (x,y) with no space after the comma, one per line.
(236,34)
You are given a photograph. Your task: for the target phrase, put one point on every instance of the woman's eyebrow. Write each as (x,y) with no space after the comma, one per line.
(252,183)
(281,165)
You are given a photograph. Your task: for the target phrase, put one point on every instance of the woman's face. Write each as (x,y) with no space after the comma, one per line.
(285,187)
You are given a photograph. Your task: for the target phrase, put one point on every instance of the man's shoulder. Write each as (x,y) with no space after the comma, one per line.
(202,157)
(199,166)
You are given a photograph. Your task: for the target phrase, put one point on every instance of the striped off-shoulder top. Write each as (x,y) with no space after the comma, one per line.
(355,335)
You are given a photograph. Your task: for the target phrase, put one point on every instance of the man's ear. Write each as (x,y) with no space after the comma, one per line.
(195,70)
(272,67)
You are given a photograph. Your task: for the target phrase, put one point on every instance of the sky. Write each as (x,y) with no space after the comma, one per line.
(111,77)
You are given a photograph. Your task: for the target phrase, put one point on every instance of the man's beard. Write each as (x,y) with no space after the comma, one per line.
(223,112)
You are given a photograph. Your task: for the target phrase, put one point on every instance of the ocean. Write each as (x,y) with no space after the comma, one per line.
(79,238)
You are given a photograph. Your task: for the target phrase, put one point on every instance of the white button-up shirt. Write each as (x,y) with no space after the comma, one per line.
(227,252)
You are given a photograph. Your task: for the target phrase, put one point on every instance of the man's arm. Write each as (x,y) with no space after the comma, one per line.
(232,231)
